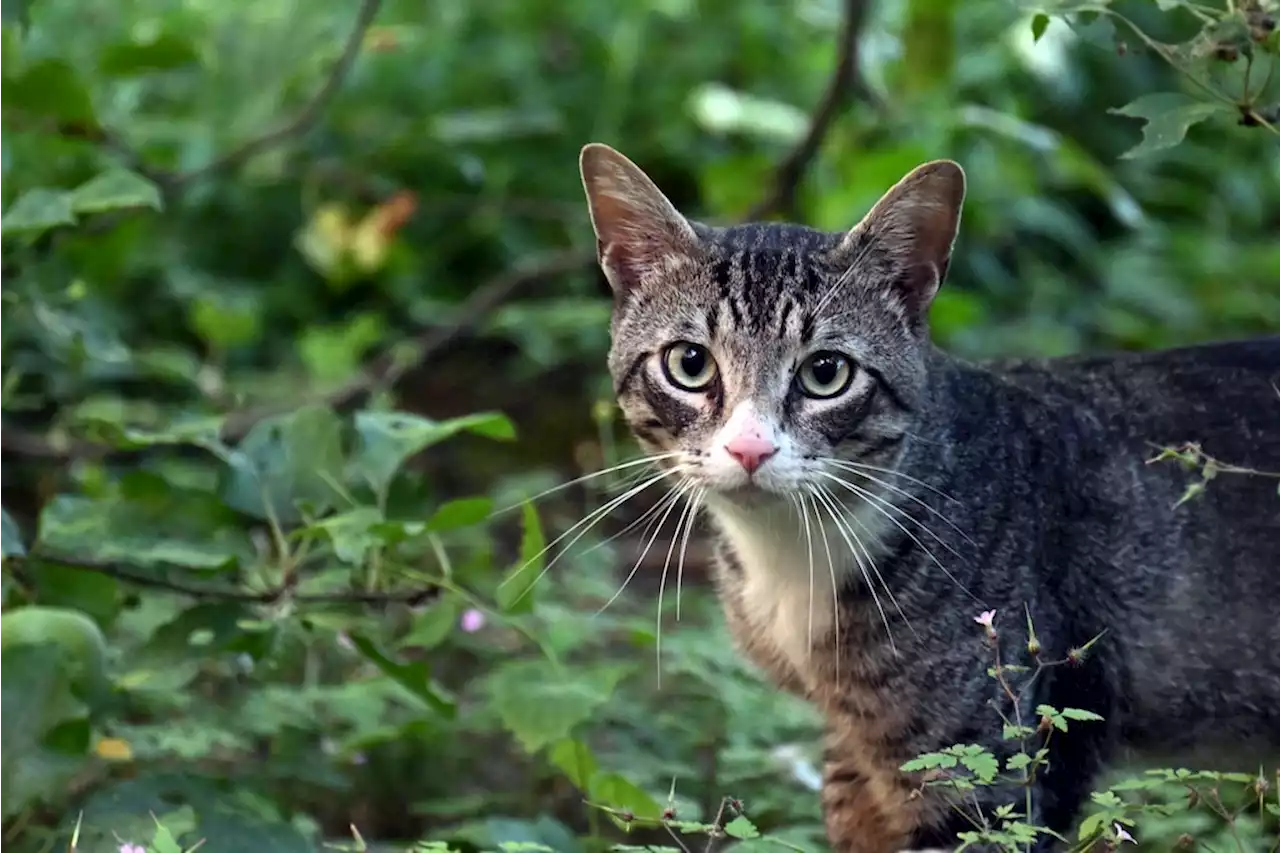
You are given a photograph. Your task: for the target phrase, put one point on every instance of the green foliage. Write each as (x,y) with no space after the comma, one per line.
(271,273)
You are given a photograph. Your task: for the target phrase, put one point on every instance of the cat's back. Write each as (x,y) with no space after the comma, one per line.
(1224,397)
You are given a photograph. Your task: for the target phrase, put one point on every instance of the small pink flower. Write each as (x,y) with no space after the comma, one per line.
(1122,835)
(472,620)
(986,619)
(128,847)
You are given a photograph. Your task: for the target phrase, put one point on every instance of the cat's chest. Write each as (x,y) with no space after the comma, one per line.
(787,581)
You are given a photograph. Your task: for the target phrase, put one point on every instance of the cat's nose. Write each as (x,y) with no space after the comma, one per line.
(751,451)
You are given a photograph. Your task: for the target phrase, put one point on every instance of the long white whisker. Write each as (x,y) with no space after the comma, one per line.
(893,599)
(835,587)
(886,505)
(662,584)
(591,520)
(842,464)
(668,500)
(684,546)
(828,502)
(863,466)
(808,541)
(646,460)
(873,502)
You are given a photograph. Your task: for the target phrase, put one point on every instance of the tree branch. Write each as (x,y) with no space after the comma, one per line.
(845,81)
(207,592)
(306,117)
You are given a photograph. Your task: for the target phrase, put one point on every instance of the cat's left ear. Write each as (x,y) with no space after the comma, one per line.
(910,232)
(640,236)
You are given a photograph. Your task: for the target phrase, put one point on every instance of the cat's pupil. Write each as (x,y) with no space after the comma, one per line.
(693,361)
(825,370)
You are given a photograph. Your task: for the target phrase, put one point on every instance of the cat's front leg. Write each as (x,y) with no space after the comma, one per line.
(868,804)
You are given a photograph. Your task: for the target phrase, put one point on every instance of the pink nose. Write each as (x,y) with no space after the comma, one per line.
(751,451)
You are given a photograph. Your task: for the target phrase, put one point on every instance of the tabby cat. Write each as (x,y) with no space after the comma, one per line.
(873,495)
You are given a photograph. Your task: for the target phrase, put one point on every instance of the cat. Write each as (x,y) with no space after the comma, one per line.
(875,497)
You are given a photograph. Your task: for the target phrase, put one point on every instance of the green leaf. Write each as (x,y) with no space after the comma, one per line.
(159,52)
(35,698)
(1017,761)
(464,512)
(513,593)
(414,677)
(1168,116)
(433,626)
(285,460)
(51,91)
(929,761)
(1039,24)
(386,439)
(225,321)
(350,533)
(982,764)
(742,828)
(576,761)
(541,704)
(1080,714)
(115,189)
(77,638)
(10,536)
(36,211)
(622,794)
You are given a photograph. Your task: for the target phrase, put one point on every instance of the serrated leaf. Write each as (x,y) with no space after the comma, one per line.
(1168,116)
(513,594)
(115,189)
(159,52)
(414,677)
(929,761)
(741,828)
(36,211)
(1081,714)
(10,536)
(541,704)
(1017,761)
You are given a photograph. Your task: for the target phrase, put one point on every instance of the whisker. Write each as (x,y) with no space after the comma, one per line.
(662,584)
(828,502)
(859,467)
(883,504)
(835,587)
(808,540)
(684,546)
(874,500)
(668,500)
(853,516)
(854,468)
(591,520)
(646,460)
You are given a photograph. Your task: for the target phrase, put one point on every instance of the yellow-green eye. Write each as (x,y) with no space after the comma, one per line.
(825,374)
(688,366)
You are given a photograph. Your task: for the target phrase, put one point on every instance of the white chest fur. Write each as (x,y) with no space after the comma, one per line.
(790,576)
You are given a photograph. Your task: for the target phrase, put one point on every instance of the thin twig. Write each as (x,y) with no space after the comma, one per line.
(845,81)
(306,117)
(208,592)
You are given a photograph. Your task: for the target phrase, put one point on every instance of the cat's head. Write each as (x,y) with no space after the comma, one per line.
(755,352)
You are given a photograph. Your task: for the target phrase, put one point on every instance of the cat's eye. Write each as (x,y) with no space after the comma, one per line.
(825,374)
(688,366)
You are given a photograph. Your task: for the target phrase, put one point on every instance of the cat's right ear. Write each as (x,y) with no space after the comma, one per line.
(640,236)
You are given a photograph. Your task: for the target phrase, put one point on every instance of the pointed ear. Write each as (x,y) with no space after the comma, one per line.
(640,236)
(909,233)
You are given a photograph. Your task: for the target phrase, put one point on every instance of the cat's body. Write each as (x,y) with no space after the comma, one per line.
(874,495)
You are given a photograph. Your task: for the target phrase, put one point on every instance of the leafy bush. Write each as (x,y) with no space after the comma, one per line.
(273,270)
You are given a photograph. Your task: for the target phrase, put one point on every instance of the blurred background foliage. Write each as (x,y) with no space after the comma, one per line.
(260,274)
